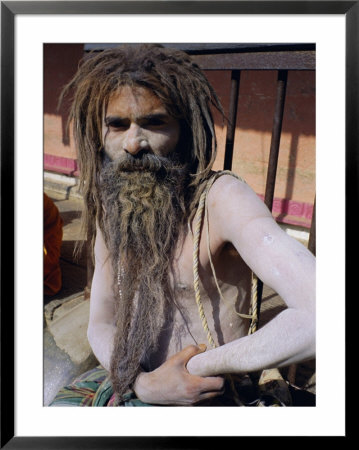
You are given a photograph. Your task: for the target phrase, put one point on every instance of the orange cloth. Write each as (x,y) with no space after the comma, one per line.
(52,247)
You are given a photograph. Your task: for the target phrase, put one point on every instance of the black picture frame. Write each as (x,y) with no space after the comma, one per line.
(9,9)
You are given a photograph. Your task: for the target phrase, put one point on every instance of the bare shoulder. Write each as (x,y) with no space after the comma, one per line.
(233,199)
(227,184)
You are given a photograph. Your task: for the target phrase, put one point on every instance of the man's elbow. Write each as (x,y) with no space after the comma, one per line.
(304,334)
(310,333)
(313,343)
(311,347)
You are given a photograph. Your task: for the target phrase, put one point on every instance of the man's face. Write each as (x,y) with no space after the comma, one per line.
(136,121)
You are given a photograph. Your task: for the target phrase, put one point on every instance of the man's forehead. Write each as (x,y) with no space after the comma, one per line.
(129,101)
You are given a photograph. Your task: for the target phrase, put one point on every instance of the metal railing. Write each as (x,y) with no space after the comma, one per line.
(238,58)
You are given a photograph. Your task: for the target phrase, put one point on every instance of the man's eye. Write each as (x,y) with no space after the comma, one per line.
(118,124)
(155,123)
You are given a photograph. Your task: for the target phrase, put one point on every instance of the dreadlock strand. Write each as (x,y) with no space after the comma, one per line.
(179,84)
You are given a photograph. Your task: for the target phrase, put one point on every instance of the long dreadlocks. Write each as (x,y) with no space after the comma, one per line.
(173,77)
(187,96)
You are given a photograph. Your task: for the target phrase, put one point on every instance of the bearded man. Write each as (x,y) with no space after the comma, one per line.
(174,243)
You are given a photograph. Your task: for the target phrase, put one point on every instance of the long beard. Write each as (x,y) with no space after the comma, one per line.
(145,207)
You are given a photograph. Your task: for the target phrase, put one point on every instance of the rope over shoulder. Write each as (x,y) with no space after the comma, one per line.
(201,214)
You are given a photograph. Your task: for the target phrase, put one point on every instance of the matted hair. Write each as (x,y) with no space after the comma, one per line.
(174,78)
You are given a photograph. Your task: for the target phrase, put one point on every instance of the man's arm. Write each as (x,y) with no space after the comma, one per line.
(101,329)
(237,215)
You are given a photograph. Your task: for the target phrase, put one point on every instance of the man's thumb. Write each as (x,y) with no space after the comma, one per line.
(192,350)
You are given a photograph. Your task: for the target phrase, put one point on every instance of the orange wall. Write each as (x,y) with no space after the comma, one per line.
(60,65)
(296,164)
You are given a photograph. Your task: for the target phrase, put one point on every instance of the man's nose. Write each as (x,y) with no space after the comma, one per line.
(134,141)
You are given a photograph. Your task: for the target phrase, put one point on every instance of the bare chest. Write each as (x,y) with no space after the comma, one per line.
(221,306)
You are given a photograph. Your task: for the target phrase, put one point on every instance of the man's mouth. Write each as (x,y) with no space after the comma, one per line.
(143,161)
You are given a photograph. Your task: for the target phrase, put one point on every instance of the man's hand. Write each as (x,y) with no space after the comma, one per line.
(172,384)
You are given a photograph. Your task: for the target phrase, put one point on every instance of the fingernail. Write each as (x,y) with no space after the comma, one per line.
(202,347)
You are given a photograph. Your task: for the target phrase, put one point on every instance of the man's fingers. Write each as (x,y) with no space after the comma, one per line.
(212,384)
(206,395)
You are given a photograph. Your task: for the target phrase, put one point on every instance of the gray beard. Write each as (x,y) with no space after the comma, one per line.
(145,207)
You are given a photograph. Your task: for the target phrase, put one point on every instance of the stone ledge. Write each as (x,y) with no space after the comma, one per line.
(63,186)
(67,321)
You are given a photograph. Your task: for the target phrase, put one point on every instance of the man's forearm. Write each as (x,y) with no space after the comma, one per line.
(289,338)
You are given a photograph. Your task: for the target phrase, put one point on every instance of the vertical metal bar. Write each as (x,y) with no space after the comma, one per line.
(273,154)
(276,133)
(312,236)
(232,118)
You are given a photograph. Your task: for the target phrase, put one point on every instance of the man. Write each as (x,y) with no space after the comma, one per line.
(171,290)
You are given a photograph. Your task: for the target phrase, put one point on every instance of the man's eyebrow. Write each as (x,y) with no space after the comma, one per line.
(153,116)
(157,116)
